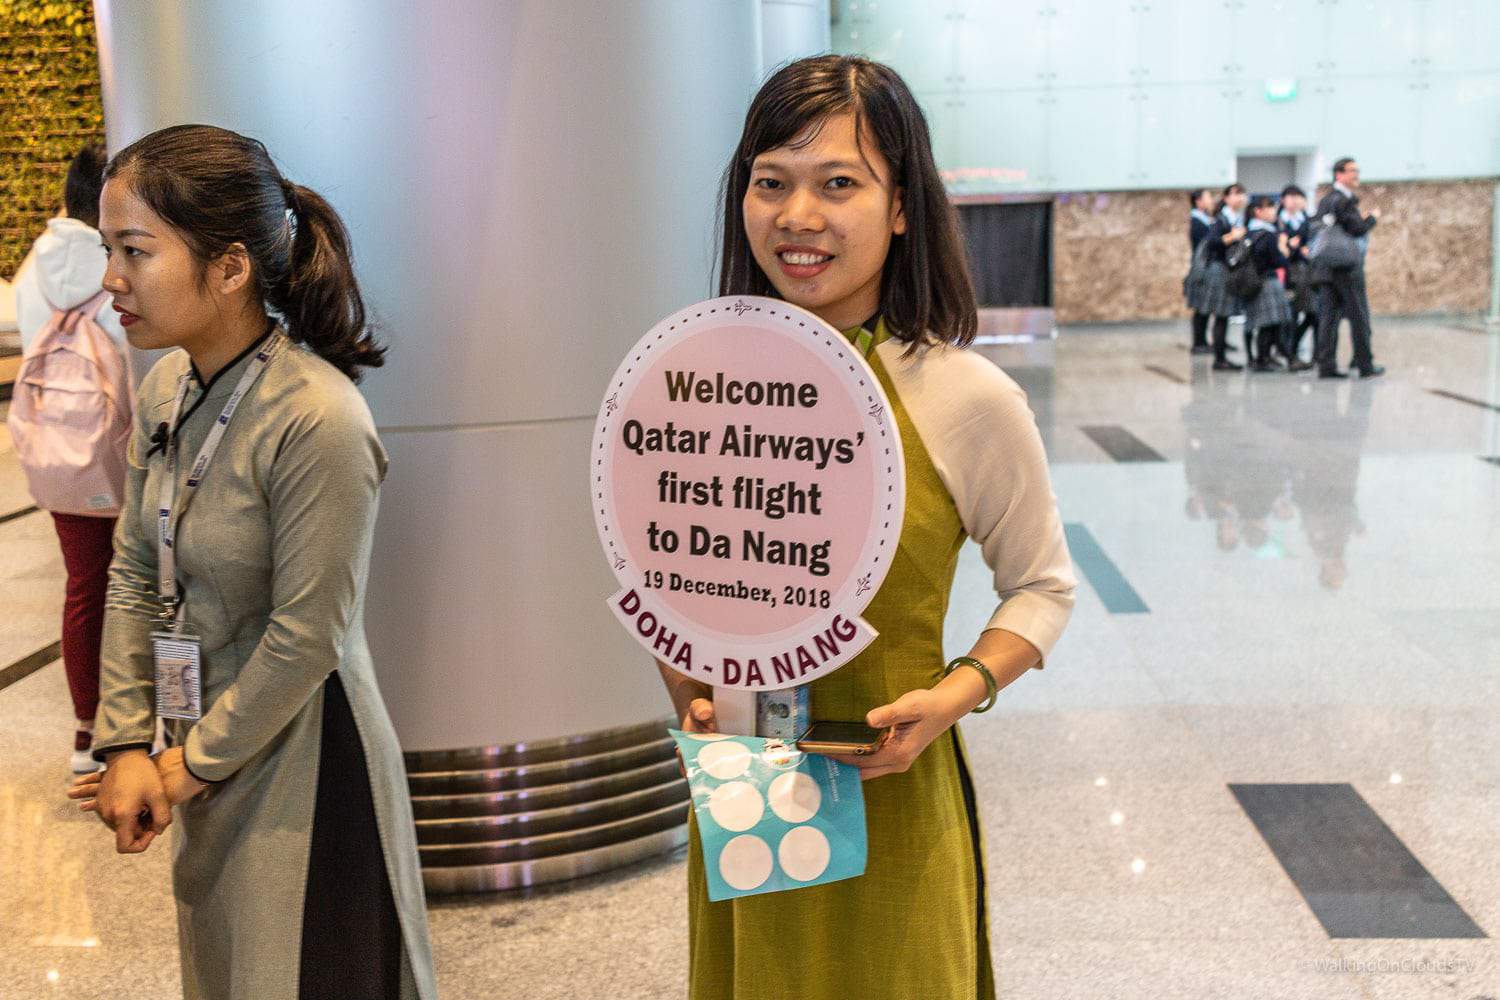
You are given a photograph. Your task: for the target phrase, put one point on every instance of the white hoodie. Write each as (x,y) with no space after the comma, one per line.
(63,270)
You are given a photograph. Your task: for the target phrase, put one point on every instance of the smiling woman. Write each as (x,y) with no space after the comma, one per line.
(832,202)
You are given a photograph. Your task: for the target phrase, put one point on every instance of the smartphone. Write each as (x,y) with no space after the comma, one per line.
(853,738)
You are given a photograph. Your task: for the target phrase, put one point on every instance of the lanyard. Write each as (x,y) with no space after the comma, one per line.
(169,511)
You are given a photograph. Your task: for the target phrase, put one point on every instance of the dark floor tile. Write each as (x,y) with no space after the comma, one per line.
(1355,873)
(1103,575)
(1121,445)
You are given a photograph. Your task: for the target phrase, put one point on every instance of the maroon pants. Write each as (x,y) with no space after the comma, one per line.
(86,548)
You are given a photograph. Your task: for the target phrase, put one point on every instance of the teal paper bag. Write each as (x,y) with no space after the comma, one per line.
(770,817)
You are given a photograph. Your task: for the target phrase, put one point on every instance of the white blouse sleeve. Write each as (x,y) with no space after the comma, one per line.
(983,440)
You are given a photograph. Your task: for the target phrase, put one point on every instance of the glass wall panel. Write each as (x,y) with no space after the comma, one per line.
(1092,140)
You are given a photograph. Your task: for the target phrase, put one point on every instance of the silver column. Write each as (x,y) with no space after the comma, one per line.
(530,185)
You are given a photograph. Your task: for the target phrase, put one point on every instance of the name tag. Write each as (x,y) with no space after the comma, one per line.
(179,675)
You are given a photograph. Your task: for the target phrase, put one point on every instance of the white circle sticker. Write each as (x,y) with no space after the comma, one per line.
(725,760)
(794,797)
(804,853)
(736,806)
(745,862)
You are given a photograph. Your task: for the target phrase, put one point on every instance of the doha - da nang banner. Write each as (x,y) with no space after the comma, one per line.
(748,489)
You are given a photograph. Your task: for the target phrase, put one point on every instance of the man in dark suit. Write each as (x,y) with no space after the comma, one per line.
(1343,289)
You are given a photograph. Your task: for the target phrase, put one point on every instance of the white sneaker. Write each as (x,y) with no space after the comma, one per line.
(83,761)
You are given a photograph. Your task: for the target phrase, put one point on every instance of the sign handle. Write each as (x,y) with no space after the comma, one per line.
(735,711)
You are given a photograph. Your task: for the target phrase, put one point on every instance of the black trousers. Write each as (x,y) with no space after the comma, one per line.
(1343,297)
(1221,338)
(1295,331)
(1266,337)
(351,935)
(1200,329)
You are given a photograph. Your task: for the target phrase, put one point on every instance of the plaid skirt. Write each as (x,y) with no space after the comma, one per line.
(1269,307)
(1192,282)
(1211,293)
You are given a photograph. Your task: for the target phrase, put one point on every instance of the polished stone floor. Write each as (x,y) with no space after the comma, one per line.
(1289,583)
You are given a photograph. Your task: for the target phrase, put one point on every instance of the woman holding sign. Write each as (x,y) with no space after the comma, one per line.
(833,202)
(236,597)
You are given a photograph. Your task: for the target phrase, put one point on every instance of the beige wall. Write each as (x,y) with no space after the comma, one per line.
(1120,256)
(1431,251)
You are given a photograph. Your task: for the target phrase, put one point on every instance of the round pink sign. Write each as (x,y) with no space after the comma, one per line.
(748,489)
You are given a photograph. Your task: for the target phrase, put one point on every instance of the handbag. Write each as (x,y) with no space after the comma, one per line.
(1332,247)
(1244,277)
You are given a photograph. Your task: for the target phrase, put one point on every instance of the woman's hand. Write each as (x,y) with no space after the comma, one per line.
(85,791)
(177,784)
(176,780)
(915,720)
(129,798)
(919,717)
(699,718)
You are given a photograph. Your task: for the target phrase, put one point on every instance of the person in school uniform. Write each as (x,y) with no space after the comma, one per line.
(1268,314)
(1292,220)
(1211,295)
(1200,221)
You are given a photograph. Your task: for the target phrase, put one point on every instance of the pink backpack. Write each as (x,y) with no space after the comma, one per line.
(70,416)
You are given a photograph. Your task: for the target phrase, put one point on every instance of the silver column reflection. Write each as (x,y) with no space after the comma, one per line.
(530,185)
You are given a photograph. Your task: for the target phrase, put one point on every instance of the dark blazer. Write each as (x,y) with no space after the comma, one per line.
(1215,237)
(1346,213)
(1197,230)
(1267,254)
(1299,231)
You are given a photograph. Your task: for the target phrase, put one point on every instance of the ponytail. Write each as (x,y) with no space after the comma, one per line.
(218,188)
(1235,188)
(319,298)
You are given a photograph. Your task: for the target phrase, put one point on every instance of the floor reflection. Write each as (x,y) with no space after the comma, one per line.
(1251,486)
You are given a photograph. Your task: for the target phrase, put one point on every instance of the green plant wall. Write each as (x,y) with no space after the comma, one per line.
(49,108)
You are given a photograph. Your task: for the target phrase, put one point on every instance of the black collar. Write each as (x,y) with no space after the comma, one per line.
(198,377)
(160,437)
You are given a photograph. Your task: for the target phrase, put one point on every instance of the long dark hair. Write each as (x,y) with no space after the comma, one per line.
(1235,188)
(925,286)
(218,188)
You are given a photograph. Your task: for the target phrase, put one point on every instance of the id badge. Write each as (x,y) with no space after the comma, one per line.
(179,674)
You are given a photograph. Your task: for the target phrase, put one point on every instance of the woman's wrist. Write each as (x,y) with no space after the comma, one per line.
(962,691)
(125,752)
(187,768)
